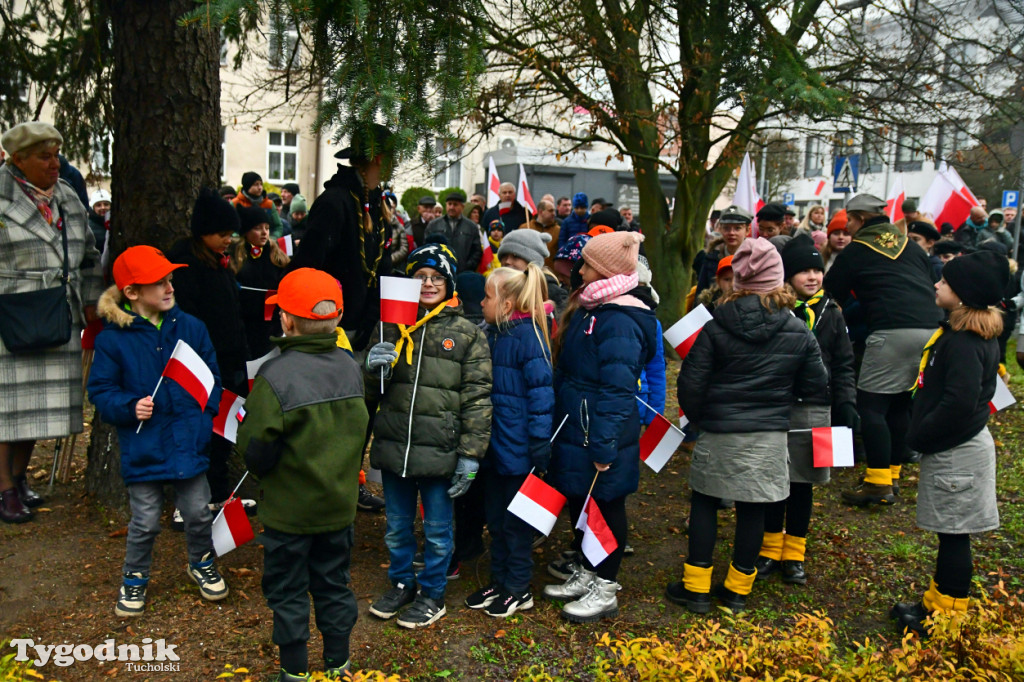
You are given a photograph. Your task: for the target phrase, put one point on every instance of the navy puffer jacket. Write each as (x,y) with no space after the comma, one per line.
(603,353)
(522,397)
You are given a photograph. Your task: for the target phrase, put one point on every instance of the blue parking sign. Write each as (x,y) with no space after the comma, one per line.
(1011,198)
(788,198)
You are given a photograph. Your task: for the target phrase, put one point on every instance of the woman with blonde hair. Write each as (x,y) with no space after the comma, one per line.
(814,221)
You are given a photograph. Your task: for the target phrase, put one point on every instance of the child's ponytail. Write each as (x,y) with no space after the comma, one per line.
(528,291)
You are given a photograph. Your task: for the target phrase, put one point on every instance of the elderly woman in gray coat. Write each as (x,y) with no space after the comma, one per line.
(40,390)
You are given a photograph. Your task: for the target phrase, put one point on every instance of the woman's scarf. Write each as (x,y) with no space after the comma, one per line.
(42,198)
(604,290)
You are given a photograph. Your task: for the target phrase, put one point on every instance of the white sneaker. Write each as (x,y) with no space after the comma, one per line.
(177,522)
(211,585)
(132,599)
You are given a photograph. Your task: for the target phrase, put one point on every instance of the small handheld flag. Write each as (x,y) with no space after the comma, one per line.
(538,504)
(231,529)
(598,539)
(833,446)
(683,420)
(684,332)
(1002,398)
(286,245)
(525,198)
(229,416)
(252,367)
(399,300)
(659,443)
(268,308)
(190,372)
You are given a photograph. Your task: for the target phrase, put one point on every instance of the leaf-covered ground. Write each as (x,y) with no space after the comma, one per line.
(59,578)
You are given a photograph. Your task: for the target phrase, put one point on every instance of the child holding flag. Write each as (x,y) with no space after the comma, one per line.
(785,551)
(520,429)
(738,384)
(606,337)
(143,326)
(302,436)
(430,432)
(956,495)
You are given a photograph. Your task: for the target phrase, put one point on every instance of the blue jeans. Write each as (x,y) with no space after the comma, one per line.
(400,496)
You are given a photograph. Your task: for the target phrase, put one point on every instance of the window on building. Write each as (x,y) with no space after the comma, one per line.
(102,154)
(814,157)
(282,156)
(961,60)
(283,36)
(448,165)
(953,140)
(872,154)
(910,146)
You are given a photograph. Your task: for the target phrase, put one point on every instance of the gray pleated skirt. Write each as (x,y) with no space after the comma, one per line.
(957,489)
(747,467)
(801,450)
(892,358)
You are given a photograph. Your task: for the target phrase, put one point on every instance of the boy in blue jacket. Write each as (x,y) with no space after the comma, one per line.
(143,324)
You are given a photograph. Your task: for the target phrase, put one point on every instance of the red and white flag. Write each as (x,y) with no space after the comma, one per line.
(598,539)
(819,188)
(659,443)
(945,203)
(399,300)
(684,332)
(231,529)
(958,183)
(1002,399)
(191,373)
(894,202)
(268,308)
(683,420)
(225,424)
(746,191)
(285,243)
(523,192)
(252,367)
(485,246)
(493,183)
(538,504)
(833,446)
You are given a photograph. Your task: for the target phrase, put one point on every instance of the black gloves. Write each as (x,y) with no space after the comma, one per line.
(846,415)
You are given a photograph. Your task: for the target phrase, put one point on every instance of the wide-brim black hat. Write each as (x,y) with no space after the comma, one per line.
(368,142)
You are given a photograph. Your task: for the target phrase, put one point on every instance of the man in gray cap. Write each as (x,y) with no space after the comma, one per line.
(733,226)
(461,234)
(425,208)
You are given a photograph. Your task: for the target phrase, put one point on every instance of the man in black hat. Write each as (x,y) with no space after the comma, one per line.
(461,234)
(418,226)
(770,220)
(789,223)
(288,190)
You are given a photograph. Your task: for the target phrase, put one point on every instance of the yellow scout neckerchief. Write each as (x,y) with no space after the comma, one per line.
(924,358)
(407,332)
(803,308)
(342,341)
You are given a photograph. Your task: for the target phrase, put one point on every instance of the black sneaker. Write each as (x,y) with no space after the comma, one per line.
(507,603)
(454,571)
(627,550)
(211,585)
(417,560)
(423,612)
(368,502)
(388,604)
(483,597)
(698,602)
(132,600)
(565,565)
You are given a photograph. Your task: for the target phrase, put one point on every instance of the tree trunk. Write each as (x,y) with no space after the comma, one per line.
(166,97)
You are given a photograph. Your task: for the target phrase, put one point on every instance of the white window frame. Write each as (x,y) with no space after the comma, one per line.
(449,165)
(814,148)
(282,149)
(282,36)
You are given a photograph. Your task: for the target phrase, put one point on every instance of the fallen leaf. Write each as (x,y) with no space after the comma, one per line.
(499,634)
(118,533)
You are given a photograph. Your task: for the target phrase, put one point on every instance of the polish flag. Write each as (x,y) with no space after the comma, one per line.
(819,188)
(1002,399)
(493,183)
(894,202)
(268,308)
(225,424)
(746,191)
(683,420)
(945,203)
(399,300)
(252,367)
(659,443)
(538,504)
(833,446)
(286,245)
(485,246)
(231,529)
(684,332)
(523,191)
(598,540)
(191,373)
(958,182)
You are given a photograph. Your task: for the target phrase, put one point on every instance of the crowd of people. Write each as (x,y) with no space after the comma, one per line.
(536,350)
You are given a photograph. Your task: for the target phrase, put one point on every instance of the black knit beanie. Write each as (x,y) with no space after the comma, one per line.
(249,179)
(211,214)
(250,217)
(801,254)
(979,278)
(436,255)
(609,217)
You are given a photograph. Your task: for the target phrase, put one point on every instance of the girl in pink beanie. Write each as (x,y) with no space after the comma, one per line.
(737,385)
(607,336)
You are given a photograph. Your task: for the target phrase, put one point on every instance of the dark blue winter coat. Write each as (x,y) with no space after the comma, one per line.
(653,383)
(522,398)
(131,354)
(572,226)
(602,355)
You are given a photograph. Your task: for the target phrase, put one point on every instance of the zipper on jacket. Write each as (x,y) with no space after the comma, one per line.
(585,422)
(412,403)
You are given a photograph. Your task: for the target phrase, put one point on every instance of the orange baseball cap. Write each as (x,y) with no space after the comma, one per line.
(723,264)
(300,291)
(600,229)
(142,265)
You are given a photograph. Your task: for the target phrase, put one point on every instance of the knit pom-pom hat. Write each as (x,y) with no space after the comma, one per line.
(212,215)
(757,267)
(838,221)
(614,253)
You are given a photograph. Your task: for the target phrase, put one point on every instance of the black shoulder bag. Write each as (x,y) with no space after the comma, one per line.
(38,320)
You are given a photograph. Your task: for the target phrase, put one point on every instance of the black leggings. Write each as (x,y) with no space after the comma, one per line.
(704,531)
(792,513)
(885,419)
(614,513)
(953,565)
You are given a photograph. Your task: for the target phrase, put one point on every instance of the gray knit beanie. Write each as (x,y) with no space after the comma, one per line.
(530,245)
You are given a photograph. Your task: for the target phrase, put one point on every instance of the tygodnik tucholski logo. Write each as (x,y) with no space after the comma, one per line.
(150,656)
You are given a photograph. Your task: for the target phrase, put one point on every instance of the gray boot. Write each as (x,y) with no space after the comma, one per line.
(576,586)
(599,602)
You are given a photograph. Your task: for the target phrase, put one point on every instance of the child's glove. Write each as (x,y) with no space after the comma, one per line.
(465,472)
(540,455)
(846,415)
(381,355)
